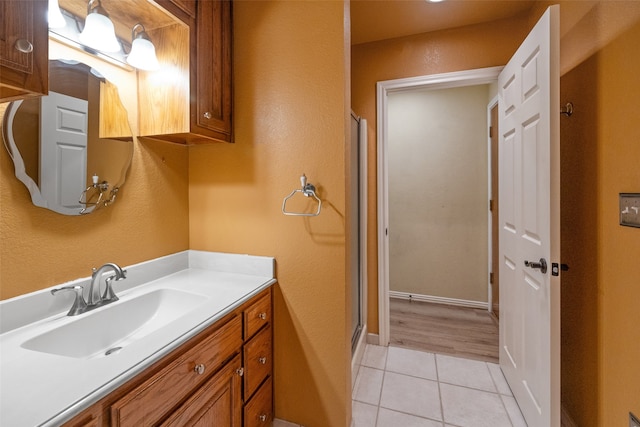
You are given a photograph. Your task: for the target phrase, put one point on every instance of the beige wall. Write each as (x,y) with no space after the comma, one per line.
(40,248)
(437,159)
(291,117)
(477,46)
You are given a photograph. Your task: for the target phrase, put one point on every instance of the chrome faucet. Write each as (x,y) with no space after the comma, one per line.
(109,295)
(80,305)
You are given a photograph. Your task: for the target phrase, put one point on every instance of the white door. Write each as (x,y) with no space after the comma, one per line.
(529,185)
(63,149)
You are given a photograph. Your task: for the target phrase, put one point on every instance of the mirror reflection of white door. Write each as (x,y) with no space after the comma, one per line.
(63,149)
(529,185)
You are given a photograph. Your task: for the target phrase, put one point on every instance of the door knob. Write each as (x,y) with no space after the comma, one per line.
(542,265)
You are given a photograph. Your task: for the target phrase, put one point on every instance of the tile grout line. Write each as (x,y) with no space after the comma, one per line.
(500,394)
(384,373)
(435,361)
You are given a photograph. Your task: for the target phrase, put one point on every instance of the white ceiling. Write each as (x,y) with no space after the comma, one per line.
(373,20)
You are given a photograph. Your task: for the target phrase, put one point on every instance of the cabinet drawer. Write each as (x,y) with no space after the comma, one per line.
(259,411)
(257,361)
(216,403)
(155,398)
(257,315)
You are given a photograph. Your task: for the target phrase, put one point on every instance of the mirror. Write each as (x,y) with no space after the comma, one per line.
(72,148)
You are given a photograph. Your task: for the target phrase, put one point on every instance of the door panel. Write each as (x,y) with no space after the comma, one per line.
(63,149)
(529,222)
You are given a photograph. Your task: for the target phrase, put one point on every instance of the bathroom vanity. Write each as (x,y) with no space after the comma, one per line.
(201,354)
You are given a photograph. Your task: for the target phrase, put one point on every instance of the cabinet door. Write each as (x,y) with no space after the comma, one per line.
(24,49)
(217,403)
(213,98)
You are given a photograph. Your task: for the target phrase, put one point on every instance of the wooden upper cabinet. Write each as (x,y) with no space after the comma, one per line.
(197,108)
(211,84)
(24,49)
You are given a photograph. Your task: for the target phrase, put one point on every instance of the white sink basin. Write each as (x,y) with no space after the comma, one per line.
(113,326)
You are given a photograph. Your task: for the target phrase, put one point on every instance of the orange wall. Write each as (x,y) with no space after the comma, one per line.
(291,117)
(40,248)
(618,133)
(477,46)
(601,337)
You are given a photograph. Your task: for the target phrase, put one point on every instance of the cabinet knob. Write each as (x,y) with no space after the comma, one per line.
(262,417)
(24,46)
(207,115)
(262,316)
(240,371)
(262,360)
(199,369)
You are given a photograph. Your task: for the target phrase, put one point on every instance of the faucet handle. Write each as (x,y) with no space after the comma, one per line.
(79,304)
(109,295)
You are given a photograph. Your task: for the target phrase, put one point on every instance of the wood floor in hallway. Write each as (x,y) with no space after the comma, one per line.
(470,333)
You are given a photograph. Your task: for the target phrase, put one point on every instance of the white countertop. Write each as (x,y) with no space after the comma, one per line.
(43,389)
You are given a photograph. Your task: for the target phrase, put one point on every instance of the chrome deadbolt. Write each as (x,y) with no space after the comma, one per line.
(542,265)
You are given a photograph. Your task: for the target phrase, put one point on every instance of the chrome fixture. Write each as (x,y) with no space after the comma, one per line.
(143,52)
(99,32)
(308,190)
(80,305)
(93,197)
(109,295)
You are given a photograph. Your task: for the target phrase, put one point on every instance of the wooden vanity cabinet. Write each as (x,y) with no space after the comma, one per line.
(220,378)
(258,363)
(24,49)
(201,113)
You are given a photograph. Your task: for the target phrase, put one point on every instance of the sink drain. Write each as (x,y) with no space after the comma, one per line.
(112,351)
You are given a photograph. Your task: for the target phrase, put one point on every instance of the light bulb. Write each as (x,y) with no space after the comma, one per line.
(98,32)
(143,52)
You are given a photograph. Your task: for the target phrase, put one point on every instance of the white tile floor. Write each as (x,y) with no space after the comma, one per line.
(409,388)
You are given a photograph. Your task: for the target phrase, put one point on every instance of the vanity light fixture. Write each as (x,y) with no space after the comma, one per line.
(98,32)
(143,52)
(56,20)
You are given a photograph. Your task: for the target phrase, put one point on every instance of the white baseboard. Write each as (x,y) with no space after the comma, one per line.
(439,300)
(373,339)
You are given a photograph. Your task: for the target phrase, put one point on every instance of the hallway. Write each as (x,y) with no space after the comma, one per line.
(402,387)
(470,333)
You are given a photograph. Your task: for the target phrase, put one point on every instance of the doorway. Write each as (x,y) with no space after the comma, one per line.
(386,215)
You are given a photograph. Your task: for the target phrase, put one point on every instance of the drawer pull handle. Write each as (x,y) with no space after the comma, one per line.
(262,360)
(24,46)
(240,371)
(199,369)
(262,417)
(262,316)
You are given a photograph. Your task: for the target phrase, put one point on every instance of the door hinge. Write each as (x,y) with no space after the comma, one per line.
(491,205)
(491,278)
(490,131)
